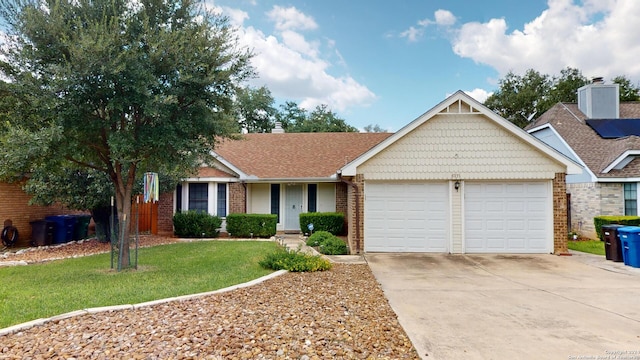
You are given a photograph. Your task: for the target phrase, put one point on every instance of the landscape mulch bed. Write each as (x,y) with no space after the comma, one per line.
(341,313)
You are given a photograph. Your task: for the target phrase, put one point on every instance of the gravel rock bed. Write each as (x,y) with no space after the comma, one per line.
(71,249)
(341,313)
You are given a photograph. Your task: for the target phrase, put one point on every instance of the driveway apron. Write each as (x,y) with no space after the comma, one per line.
(513,306)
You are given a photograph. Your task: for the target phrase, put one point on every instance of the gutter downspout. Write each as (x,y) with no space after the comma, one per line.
(357,209)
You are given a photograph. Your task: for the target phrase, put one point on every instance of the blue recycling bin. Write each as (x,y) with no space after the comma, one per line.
(63,229)
(630,241)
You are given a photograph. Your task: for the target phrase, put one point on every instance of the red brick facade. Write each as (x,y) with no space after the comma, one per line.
(355,214)
(237,198)
(165,214)
(15,207)
(560,227)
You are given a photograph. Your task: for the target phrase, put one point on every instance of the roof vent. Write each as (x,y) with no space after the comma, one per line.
(278,128)
(597,80)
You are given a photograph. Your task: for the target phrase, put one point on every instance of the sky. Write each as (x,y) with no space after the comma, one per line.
(376,62)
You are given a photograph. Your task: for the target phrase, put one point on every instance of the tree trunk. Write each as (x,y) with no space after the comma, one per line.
(124,188)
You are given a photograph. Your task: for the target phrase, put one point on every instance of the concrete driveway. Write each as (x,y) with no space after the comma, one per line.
(513,306)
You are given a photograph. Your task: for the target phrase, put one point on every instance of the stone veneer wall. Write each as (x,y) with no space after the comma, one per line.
(589,200)
(560,229)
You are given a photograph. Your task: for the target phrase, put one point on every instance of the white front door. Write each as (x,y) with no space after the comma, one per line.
(292,207)
(406,217)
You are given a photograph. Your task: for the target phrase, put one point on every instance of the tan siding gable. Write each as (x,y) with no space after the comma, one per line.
(460,143)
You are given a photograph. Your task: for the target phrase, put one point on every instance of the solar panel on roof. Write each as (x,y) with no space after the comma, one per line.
(615,128)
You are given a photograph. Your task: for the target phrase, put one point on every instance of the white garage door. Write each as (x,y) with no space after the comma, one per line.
(507,217)
(406,217)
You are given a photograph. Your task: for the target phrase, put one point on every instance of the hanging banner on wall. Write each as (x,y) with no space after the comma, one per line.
(151,187)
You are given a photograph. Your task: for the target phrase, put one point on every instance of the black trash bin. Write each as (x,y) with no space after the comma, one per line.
(42,232)
(612,246)
(81,227)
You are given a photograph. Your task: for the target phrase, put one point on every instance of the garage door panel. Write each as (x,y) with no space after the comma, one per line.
(507,217)
(415,217)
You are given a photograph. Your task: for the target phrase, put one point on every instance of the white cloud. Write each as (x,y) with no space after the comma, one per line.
(236,16)
(479,94)
(597,37)
(442,18)
(298,69)
(412,34)
(291,19)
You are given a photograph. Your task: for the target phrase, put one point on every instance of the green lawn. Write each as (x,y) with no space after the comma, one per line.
(48,289)
(591,246)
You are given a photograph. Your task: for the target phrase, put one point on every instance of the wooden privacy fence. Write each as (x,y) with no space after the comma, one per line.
(147,215)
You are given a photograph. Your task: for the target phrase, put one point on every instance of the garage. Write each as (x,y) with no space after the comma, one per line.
(458,179)
(406,217)
(511,217)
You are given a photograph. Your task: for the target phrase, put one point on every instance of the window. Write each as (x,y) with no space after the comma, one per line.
(179,198)
(221,209)
(275,200)
(631,199)
(198,196)
(312,197)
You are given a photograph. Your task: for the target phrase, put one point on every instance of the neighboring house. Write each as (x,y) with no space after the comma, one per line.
(601,134)
(15,207)
(458,179)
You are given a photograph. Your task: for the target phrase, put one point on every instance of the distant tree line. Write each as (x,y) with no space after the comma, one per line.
(256,113)
(522,98)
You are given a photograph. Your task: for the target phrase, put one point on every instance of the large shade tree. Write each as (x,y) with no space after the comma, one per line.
(118,87)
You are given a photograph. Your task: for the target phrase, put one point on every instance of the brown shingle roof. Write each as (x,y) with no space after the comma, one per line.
(296,155)
(596,152)
(213,172)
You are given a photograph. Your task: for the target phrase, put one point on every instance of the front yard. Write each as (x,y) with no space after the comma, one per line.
(56,287)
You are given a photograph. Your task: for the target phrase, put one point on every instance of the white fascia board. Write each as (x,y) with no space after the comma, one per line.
(622,160)
(584,166)
(572,168)
(211,179)
(618,180)
(226,163)
(330,179)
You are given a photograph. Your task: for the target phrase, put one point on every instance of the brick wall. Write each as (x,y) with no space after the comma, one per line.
(165,214)
(589,200)
(15,207)
(341,203)
(237,198)
(560,230)
(356,224)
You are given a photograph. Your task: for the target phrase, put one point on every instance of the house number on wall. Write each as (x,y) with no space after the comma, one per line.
(455,176)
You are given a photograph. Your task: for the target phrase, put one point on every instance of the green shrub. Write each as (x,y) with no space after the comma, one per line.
(327,243)
(333,246)
(318,238)
(322,221)
(252,225)
(195,224)
(294,261)
(598,221)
